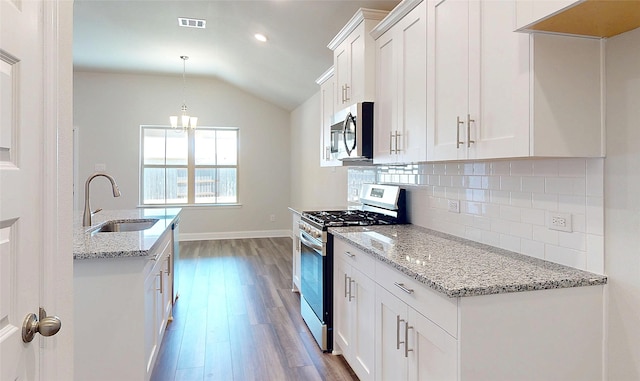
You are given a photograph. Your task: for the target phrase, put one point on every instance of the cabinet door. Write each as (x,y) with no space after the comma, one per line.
(362,307)
(341,62)
(433,352)
(327,92)
(295,252)
(386,99)
(150,315)
(390,320)
(499,82)
(357,66)
(412,85)
(451,19)
(341,311)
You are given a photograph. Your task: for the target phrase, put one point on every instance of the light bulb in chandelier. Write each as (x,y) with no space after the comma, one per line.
(186,121)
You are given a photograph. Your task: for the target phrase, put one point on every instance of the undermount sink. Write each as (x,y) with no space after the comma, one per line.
(126,225)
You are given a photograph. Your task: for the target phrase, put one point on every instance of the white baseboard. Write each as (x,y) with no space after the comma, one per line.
(209,236)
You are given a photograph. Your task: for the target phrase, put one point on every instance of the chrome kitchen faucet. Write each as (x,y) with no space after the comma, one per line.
(86,217)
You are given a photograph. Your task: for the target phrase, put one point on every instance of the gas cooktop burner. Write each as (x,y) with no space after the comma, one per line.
(349,217)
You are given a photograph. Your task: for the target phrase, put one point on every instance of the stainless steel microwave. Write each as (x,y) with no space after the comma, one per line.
(352,133)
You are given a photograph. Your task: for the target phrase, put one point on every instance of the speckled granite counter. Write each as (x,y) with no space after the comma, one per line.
(88,244)
(457,267)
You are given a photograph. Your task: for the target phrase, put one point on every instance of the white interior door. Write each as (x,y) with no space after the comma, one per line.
(29,240)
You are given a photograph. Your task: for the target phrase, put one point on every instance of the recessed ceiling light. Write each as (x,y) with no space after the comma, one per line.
(192,23)
(260,37)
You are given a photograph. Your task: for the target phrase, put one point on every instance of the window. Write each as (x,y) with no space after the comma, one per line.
(188,167)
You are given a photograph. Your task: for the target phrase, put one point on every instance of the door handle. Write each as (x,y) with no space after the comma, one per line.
(45,325)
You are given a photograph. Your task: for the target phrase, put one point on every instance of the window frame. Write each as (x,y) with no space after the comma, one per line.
(190,167)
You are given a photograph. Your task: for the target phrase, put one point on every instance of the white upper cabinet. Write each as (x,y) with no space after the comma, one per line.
(499,94)
(401,85)
(327,93)
(354,59)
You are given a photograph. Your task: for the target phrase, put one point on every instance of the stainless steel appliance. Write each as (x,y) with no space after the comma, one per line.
(381,204)
(352,133)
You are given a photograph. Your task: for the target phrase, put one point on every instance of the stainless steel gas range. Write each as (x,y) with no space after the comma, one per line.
(381,205)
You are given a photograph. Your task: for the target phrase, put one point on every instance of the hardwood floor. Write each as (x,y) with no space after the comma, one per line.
(237,319)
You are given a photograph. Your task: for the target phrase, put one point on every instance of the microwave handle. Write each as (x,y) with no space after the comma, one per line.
(349,118)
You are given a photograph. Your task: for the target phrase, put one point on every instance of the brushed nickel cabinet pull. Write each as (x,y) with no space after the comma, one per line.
(459,122)
(397,136)
(390,142)
(469,121)
(406,339)
(398,342)
(403,288)
(345,285)
(351,281)
(349,254)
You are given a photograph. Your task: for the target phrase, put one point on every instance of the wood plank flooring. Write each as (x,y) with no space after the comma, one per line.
(237,319)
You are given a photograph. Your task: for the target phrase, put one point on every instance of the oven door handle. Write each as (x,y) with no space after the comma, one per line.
(306,241)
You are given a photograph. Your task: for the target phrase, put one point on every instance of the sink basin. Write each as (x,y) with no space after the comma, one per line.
(126,225)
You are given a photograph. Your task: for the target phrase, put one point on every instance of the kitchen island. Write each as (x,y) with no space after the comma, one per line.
(87,244)
(122,294)
(452,309)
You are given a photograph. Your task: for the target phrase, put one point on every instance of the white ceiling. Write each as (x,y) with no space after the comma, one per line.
(143,36)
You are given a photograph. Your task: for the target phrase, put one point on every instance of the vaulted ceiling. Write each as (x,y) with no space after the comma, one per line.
(143,36)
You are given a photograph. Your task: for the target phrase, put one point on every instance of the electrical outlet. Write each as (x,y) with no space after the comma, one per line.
(560,221)
(272,218)
(454,206)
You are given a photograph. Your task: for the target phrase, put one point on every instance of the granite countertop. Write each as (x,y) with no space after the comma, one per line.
(87,244)
(457,267)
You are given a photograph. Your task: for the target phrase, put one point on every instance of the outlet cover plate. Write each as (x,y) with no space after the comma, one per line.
(560,221)
(454,206)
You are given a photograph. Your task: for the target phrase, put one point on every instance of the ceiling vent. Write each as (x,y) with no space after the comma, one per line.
(192,23)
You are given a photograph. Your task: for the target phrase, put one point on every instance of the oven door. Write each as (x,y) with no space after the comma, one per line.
(312,271)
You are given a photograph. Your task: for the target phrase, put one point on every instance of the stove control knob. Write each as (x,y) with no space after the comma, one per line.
(318,234)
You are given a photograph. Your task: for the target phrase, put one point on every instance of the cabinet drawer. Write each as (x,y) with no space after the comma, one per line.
(355,257)
(438,308)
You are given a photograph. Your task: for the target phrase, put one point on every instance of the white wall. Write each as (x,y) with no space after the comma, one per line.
(313,186)
(622,206)
(109,108)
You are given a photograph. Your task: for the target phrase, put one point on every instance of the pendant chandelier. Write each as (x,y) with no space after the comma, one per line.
(186,121)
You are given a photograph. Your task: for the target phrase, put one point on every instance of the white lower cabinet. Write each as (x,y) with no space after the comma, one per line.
(354,304)
(295,252)
(410,346)
(415,333)
(122,306)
